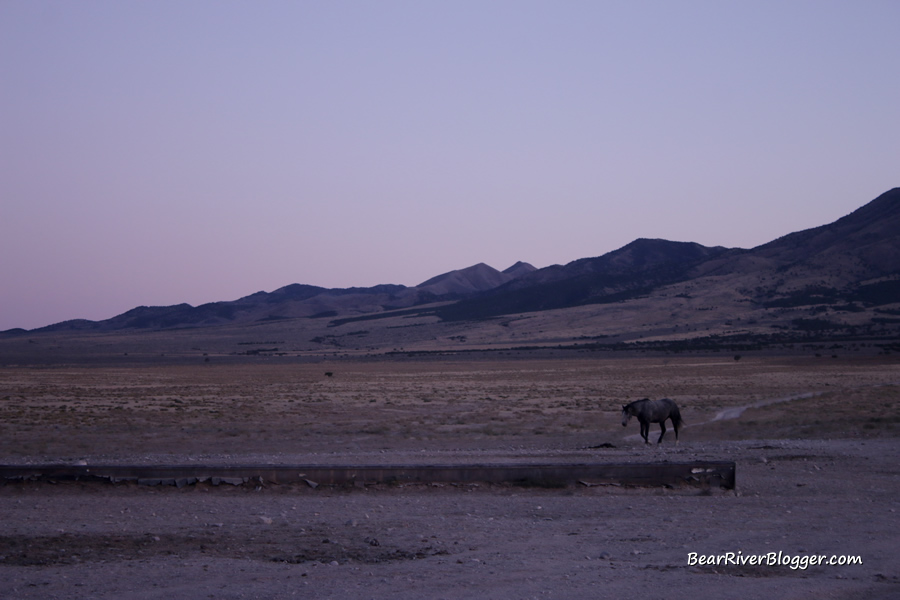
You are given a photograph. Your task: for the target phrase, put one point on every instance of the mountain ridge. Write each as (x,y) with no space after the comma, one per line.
(301,300)
(853,263)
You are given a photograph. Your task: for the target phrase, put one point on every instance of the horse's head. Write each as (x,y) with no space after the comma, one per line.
(625,416)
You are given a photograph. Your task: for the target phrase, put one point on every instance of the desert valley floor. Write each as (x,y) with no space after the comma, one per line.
(815,441)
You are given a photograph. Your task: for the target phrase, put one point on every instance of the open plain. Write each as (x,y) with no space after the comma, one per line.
(815,440)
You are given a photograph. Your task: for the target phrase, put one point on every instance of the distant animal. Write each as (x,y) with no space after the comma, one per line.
(653,411)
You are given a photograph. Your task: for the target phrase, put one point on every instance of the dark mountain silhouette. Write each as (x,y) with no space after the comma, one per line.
(298,300)
(854,259)
(630,271)
(474,279)
(844,267)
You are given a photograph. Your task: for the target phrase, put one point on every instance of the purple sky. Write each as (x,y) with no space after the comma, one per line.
(153,153)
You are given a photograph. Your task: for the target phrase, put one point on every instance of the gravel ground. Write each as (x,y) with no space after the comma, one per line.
(830,492)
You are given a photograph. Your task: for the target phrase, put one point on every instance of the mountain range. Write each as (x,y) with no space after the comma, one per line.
(842,278)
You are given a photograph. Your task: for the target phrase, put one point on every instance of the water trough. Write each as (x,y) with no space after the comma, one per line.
(700,474)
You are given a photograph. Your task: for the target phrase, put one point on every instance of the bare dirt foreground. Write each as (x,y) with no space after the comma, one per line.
(815,441)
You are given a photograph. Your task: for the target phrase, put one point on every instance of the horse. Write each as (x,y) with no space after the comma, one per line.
(653,411)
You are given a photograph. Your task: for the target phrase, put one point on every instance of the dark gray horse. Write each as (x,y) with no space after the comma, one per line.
(653,411)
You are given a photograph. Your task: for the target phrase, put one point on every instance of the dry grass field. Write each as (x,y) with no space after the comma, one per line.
(815,441)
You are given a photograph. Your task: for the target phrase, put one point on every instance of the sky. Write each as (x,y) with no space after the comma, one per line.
(154,153)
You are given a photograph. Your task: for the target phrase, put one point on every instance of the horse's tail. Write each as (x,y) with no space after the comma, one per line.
(677,421)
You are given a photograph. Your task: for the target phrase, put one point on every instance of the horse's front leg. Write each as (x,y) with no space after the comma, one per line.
(645,432)
(662,433)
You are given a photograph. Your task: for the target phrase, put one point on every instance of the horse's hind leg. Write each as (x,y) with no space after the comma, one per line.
(662,433)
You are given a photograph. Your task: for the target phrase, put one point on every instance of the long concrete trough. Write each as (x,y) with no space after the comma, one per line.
(699,474)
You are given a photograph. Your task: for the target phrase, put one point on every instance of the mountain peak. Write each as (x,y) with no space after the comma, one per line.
(476,278)
(519,269)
